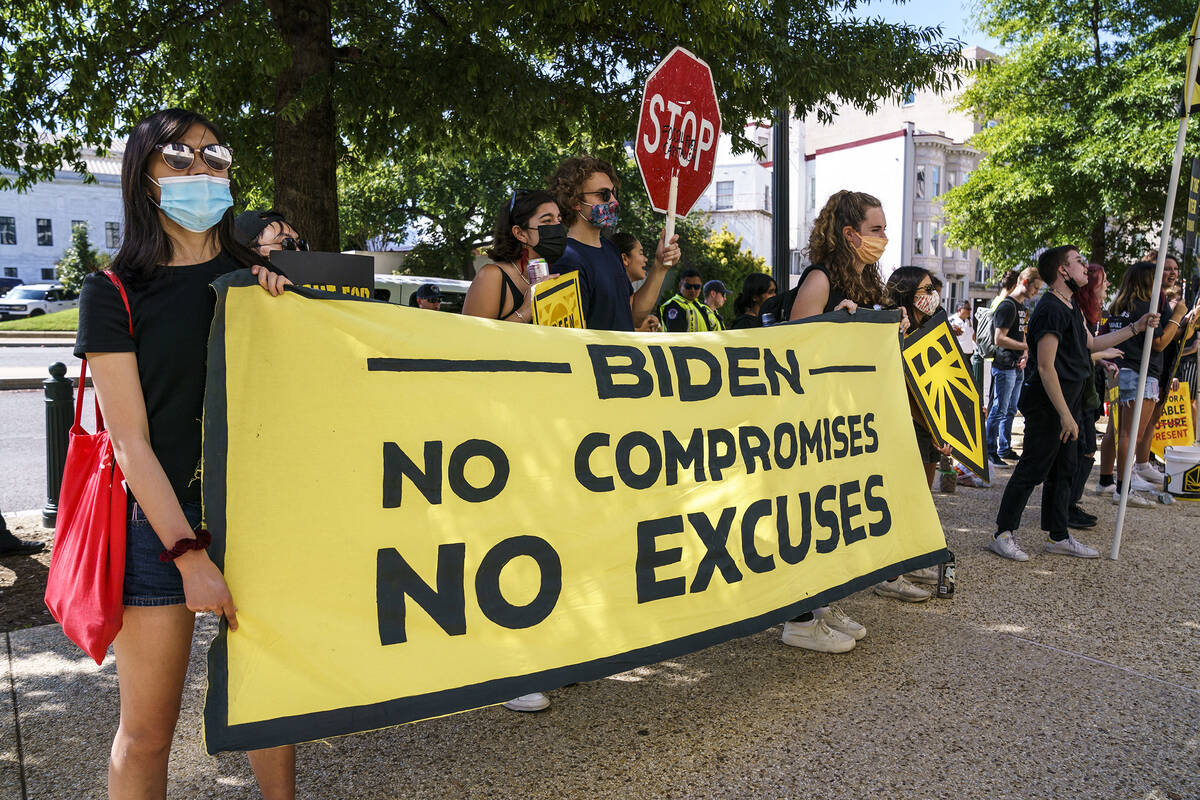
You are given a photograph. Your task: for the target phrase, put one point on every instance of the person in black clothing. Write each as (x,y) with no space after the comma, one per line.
(756,290)
(148,369)
(12,546)
(1059,365)
(528,226)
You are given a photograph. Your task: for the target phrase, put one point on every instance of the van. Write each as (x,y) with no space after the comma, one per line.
(399,289)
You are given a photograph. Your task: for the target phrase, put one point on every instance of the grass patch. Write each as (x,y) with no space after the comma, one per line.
(58,321)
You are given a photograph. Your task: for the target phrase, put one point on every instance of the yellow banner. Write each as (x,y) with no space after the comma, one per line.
(1174,428)
(420,514)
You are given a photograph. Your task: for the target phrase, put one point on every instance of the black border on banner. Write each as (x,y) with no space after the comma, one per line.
(220,736)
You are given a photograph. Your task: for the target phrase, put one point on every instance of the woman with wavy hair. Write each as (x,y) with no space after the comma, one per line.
(845,246)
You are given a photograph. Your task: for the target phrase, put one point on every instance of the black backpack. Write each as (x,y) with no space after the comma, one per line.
(780,306)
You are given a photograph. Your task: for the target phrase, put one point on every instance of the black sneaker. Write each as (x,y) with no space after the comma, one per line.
(1010,454)
(1079,522)
(1077,510)
(997,461)
(19,547)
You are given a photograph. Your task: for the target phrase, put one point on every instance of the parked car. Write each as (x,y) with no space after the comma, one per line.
(36,299)
(7,283)
(399,289)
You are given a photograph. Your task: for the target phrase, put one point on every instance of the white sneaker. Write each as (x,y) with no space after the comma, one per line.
(1071,547)
(902,590)
(836,619)
(1006,545)
(538,701)
(1139,484)
(928,576)
(818,636)
(1100,489)
(1135,500)
(1149,473)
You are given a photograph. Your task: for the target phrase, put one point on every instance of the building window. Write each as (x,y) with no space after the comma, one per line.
(950,180)
(918,238)
(45,233)
(10,272)
(766,198)
(920,191)
(48,273)
(812,193)
(112,235)
(936,174)
(910,98)
(934,230)
(8,230)
(79,223)
(981,272)
(764,141)
(724,195)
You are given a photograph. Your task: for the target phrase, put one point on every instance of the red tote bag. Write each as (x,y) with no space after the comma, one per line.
(87,567)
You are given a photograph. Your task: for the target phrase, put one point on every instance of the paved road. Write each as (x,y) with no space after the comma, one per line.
(23,449)
(39,358)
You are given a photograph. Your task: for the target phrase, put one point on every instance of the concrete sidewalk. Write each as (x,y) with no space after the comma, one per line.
(33,378)
(1055,678)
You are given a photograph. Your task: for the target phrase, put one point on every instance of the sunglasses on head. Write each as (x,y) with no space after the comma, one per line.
(517,195)
(695,287)
(605,194)
(180,156)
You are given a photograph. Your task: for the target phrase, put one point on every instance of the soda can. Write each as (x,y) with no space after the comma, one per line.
(945,584)
(537,270)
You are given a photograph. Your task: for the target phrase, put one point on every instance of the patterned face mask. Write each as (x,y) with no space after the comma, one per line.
(604,215)
(928,302)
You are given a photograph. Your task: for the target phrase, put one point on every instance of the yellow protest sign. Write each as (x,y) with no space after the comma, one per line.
(556,302)
(1174,426)
(419,514)
(945,391)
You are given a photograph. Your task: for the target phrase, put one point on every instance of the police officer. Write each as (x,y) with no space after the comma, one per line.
(684,313)
(715,294)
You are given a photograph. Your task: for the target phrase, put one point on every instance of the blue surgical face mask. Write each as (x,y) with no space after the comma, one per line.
(604,215)
(196,202)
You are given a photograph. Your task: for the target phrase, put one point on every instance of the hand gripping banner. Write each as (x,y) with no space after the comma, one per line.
(419,514)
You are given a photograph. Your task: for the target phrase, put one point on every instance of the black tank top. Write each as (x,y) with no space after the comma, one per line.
(508,286)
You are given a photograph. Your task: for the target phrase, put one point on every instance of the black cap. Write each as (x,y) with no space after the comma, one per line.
(249,224)
(715,286)
(430,293)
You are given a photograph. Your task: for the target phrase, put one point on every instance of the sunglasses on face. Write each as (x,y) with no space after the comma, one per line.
(695,287)
(604,194)
(180,156)
(288,243)
(930,289)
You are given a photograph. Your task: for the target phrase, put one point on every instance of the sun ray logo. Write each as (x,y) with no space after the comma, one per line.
(1191,481)
(556,302)
(944,390)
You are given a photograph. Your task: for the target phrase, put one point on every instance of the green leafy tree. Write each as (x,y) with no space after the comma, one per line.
(78,260)
(1084,110)
(301,86)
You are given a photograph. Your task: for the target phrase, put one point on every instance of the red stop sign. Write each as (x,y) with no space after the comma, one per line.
(678,130)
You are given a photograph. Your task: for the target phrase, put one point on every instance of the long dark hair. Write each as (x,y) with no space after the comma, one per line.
(505,246)
(1135,286)
(756,283)
(145,246)
(901,289)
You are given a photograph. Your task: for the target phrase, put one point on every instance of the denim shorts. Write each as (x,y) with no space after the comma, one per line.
(1127,386)
(148,581)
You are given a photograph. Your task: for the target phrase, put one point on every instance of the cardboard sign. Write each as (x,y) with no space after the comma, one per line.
(944,390)
(340,273)
(1174,427)
(461,511)
(678,131)
(556,302)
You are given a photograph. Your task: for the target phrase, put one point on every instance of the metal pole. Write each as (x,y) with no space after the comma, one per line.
(60,413)
(1163,241)
(781,244)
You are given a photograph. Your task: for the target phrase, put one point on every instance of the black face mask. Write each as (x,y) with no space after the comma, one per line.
(552,241)
(1072,284)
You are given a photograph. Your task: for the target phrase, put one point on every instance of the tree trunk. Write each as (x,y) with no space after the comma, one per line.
(306,145)
(1098,243)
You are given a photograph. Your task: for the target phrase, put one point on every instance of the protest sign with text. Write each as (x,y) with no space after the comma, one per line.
(436,513)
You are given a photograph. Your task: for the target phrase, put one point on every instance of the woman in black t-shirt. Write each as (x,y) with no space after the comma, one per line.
(150,385)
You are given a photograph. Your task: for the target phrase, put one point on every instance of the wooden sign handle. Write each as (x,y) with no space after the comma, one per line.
(674,196)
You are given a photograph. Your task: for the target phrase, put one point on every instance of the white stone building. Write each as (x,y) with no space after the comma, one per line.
(35,226)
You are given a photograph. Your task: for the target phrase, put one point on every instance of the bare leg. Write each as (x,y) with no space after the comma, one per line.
(152,657)
(275,770)
(1146,437)
(1108,449)
(1126,417)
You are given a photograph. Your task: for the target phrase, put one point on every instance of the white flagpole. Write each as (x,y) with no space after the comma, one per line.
(1148,344)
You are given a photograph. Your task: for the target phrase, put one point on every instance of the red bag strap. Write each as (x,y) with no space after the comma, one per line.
(112,276)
